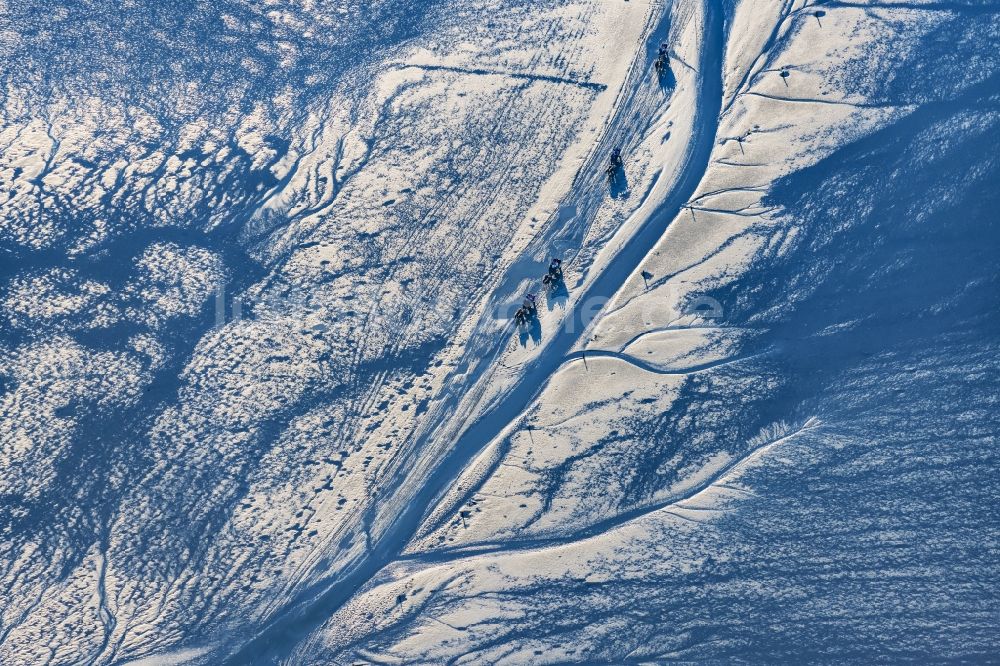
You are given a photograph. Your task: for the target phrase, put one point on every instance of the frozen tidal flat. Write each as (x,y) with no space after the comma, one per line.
(262,400)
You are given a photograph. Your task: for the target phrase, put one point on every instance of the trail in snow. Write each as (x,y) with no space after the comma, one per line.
(480,71)
(299,621)
(655,369)
(521,545)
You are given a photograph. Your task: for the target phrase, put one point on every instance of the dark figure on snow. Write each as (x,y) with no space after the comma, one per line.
(529,303)
(526,311)
(555,273)
(615,165)
(661,58)
(555,268)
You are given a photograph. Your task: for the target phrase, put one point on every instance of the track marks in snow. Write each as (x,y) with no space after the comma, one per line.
(831,102)
(543,78)
(582,356)
(761,59)
(722,478)
(680,329)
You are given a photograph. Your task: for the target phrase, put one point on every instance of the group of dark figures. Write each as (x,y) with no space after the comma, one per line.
(662,56)
(662,66)
(614,165)
(529,308)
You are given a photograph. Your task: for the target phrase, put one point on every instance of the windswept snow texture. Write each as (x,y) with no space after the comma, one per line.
(262,400)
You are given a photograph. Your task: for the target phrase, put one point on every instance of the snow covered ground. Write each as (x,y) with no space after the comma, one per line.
(262,400)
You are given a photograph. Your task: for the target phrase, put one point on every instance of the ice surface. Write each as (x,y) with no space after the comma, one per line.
(262,400)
